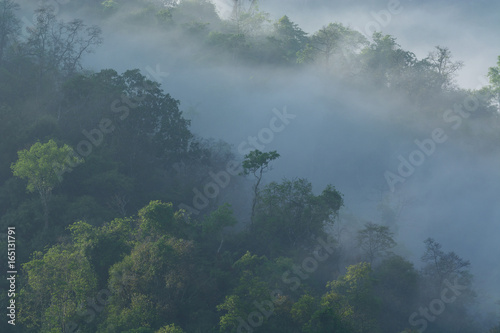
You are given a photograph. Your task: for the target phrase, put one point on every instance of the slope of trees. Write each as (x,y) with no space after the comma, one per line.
(111,156)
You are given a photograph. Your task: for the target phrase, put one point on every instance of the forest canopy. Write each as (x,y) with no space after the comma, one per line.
(100,169)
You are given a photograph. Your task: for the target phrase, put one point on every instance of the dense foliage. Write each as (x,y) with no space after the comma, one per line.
(104,246)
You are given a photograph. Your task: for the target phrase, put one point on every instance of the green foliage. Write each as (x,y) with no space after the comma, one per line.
(288,39)
(232,306)
(385,61)
(397,289)
(103,246)
(236,45)
(375,240)
(256,278)
(158,218)
(172,328)
(288,214)
(337,45)
(355,290)
(193,13)
(109,6)
(56,283)
(150,283)
(304,309)
(219,219)
(248,22)
(494,88)
(159,267)
(256,162)
(42,166)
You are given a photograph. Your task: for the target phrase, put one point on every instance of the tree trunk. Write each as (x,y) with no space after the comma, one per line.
(255,194)
(45,197)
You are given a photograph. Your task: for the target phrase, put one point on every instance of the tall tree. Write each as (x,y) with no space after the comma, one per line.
(375,240)
(385,61)
(248,20)
(256,163)
(289,38)
(441,62)
(337,42)
(443,265)
(57,45)
(42,166)
(9,24)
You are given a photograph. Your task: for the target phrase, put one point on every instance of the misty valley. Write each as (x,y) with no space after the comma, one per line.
(249,166)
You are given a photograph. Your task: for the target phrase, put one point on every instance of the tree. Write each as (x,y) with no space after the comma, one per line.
(350,301)
(216,221)
(443,265)
(303,310)
(288,215)
(289,38)
(255,279)
(375,240)
(494,87)
(337,40)
(158,219)
(149,137)
(385,61)
(193,13)
(42,166)
(397,289)
(441,63)
(172,328)
(256,162)
(153,282)
(9,24)
(103,246)
(57,282)
(56,45)
(248,21)
(440,272)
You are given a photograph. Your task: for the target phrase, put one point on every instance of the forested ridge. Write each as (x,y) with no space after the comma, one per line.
(98,171)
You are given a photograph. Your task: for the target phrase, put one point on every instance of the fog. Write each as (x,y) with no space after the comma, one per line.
(351,138)
(468,28)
